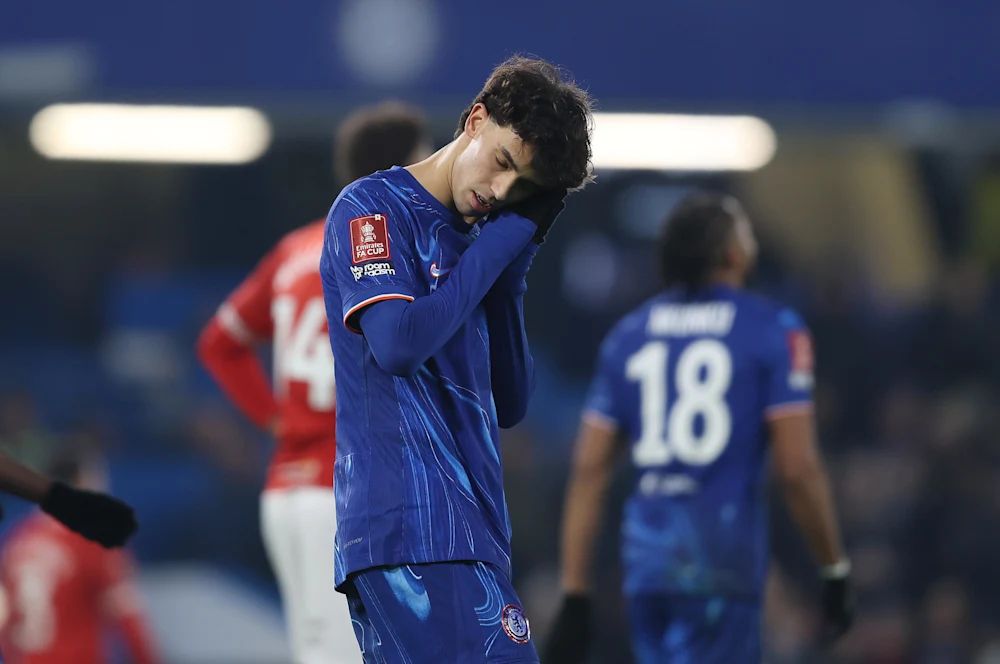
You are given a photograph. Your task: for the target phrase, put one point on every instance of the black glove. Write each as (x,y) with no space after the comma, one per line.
(838,607)
(96,516)
(569,641)
(542,209)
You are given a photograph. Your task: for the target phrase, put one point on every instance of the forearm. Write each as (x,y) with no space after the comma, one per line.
(810,503)
(22,481)
(403,335)
(237,370)
(582,517)
(513,369)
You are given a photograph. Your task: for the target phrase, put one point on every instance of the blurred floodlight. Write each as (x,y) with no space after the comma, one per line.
(668,142)
(173,134)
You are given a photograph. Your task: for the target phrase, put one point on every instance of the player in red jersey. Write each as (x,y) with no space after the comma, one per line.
(62,593)
(282,302)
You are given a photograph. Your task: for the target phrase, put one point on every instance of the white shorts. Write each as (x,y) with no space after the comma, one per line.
(298,526)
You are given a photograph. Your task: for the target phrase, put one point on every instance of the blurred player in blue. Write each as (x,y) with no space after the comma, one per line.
(425,266)
(703,382)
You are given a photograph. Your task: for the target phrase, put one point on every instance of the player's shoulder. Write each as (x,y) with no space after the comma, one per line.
(302,236)
(372,193)
(766,311)
(305,233)
(41,535)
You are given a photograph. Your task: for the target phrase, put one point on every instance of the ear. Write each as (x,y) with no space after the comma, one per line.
(476,120)
(733,256)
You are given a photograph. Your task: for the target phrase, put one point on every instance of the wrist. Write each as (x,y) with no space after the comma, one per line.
(38,491)
(510,221)
(504,239)
(834,571)
(575,587)
(52,495)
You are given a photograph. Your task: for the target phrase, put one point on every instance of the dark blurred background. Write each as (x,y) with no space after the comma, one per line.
(878,214)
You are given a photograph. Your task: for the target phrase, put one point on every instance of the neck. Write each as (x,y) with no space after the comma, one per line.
(727,277)
(434,174)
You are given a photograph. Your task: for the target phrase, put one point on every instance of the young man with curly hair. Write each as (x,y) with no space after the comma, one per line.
(426,266)
(281,303)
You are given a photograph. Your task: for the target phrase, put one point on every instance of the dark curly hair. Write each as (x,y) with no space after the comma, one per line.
(695,237)
(377,137)
(546,109)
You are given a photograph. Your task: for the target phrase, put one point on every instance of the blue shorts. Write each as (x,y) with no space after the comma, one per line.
(695,630)
(438,613)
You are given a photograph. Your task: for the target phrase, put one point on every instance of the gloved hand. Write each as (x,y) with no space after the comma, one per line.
(541,209)
(569,641)
(838,605)
(97,516)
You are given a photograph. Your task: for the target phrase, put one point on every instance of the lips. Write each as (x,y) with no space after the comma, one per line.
(480,204)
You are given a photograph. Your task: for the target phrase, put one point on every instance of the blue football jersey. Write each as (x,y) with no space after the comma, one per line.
(690,382)
(417,476)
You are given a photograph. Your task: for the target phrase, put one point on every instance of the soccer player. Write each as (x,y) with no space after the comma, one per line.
(432,357)
(703,382)
(282,302)
(62,593)
(97,516)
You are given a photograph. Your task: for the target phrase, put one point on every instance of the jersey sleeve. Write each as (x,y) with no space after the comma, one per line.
(246,313)
(225,346)
(367,252)
(603,406)
(788,365)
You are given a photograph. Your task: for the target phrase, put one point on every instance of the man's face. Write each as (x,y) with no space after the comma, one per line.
(494,170)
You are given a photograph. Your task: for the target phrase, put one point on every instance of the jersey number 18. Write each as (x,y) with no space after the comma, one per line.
(703,373)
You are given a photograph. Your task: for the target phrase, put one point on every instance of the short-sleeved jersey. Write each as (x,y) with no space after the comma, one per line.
(282,301)
(418,474)
(690,382)
(62,594)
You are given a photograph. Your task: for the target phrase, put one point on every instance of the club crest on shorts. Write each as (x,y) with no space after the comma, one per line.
(515,624)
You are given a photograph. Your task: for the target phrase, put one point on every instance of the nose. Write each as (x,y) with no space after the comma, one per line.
(502,184)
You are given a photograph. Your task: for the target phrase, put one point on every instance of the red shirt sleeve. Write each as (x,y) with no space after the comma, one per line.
(246,313)
(225,346)
(122,608)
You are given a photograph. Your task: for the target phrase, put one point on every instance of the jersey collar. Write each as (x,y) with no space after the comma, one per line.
(454,219)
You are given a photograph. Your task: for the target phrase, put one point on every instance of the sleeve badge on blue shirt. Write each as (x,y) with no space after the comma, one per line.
(369,238)
(802,362)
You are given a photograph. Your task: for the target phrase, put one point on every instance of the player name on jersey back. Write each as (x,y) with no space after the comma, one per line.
(711,318)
